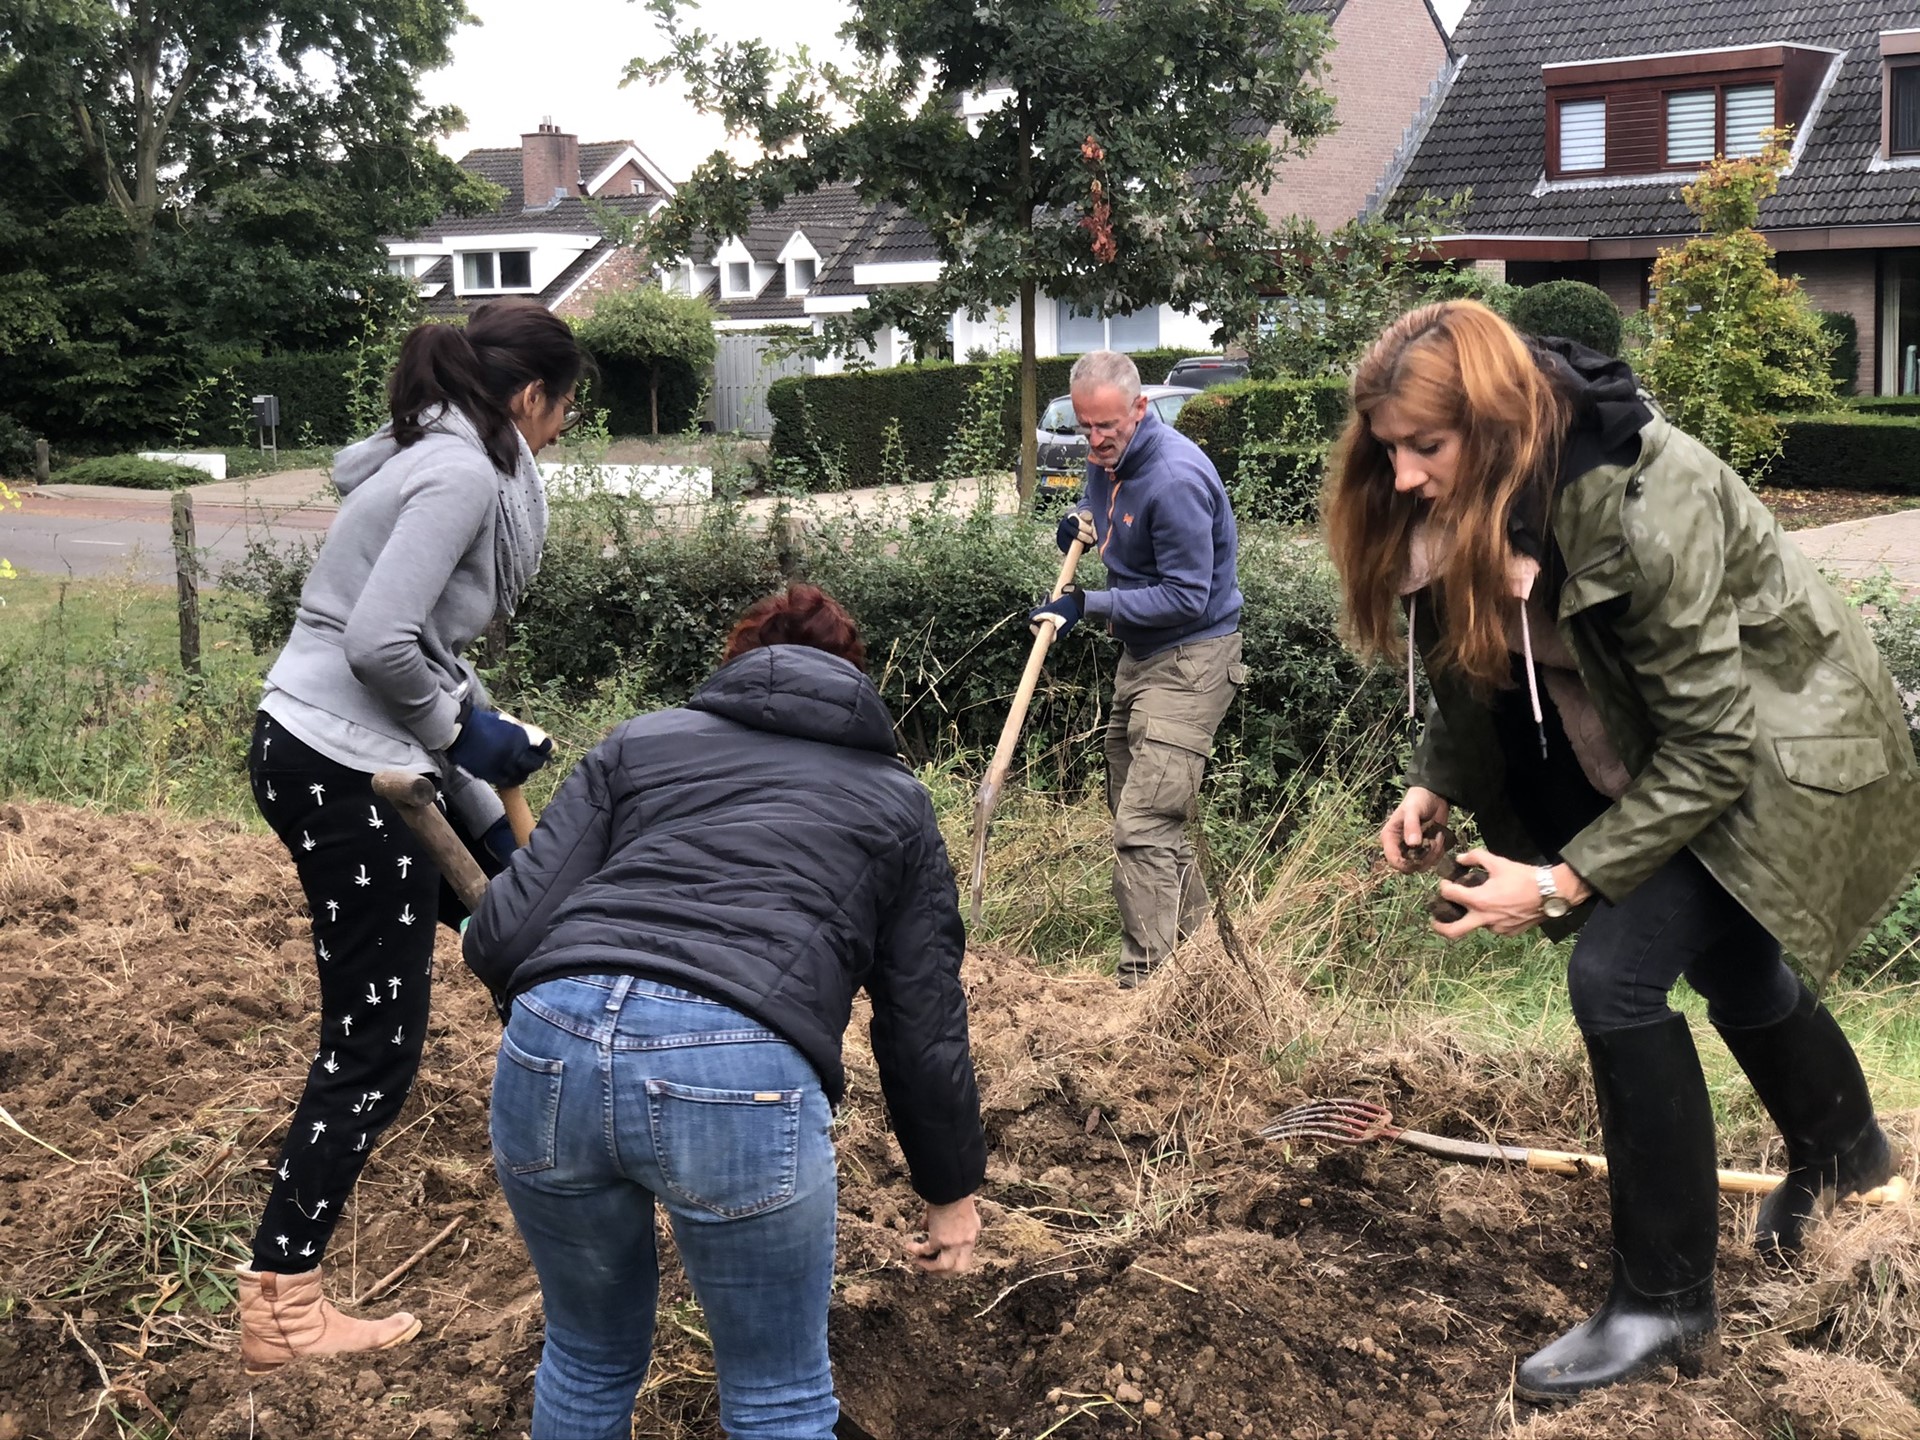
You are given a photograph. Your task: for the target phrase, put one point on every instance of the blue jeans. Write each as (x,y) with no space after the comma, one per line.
(612,1092)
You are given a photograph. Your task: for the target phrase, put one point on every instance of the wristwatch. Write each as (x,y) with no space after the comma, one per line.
(1552,903)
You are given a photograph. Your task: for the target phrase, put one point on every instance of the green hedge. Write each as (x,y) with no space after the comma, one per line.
(1847,450)
(832,429)
(1885,404)
(622,390)
(313,390)
(1844,366)
(1571,309)
(132,472)
(942,601)
(1269,441)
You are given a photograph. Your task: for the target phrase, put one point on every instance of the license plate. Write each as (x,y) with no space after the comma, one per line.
(1057,482)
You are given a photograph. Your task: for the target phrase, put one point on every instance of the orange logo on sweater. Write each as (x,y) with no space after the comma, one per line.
(1126,519)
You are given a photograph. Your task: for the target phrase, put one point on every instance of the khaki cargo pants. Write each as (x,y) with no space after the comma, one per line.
(1165,710)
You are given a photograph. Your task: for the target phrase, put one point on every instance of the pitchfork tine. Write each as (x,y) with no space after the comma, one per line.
(1347,1121)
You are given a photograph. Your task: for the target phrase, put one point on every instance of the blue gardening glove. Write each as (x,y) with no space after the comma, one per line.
(1074,525)
(499,840)
(493,748)
(1071,605)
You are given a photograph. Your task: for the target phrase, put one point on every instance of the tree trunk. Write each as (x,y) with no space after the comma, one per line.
(653,398)
(1029,370)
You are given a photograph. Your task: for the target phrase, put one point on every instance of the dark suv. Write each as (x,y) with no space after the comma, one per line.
(1063,449)
(1204,371)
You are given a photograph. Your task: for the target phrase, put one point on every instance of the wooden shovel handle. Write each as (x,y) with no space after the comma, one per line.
(519,813)
(412,796)
(989,795)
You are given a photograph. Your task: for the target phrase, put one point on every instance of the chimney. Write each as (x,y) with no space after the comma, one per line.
(549,166)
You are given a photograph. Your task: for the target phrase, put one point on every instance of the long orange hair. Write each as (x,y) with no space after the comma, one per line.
(1451,366)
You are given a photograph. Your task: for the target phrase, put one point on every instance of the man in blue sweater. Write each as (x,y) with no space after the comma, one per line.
(1155,511)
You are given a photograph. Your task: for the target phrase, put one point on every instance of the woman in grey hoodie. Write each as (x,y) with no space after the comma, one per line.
(441,523)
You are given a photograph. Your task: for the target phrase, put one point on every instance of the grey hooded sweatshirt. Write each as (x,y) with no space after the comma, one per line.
(430,542)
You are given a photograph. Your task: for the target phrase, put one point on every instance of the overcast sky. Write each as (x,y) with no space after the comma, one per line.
(529,60)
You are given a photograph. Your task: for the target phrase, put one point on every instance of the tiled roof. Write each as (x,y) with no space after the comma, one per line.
(568,217)
(501,165)
(447,303)
(1490,134)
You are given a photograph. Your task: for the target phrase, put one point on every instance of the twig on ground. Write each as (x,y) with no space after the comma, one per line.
(13,1124)
(1165,1279)
(394,1275)
(1037,1275)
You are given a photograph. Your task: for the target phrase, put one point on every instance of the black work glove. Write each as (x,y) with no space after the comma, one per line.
(493,748)
(1074,525)
(499,840)
(1068,609)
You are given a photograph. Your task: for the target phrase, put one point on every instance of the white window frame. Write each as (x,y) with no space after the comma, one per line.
(493,258)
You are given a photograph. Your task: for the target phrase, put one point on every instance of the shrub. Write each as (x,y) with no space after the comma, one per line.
(16,448)
(260,592)
(830,430)
(942,600)
(1844,331)
(1571,309)
(1851,451)
(1269,441)
(132,472)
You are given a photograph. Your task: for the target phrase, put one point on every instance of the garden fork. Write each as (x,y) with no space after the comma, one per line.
(1357,1122)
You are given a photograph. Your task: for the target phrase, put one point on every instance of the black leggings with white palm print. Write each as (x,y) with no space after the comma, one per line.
(375,898)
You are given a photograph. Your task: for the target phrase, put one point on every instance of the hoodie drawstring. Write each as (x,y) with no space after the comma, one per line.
(1533,680)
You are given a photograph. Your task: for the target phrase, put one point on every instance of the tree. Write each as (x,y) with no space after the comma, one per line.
(1114,155)
(1337,290)
(649,327)
(1734,341)
(184,182)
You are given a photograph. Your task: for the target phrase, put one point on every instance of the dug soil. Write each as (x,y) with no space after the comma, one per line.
(1149,1265)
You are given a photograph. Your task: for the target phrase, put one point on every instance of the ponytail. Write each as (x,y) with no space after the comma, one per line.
(505,346)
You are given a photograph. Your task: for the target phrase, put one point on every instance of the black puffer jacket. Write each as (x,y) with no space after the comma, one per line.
(763,847)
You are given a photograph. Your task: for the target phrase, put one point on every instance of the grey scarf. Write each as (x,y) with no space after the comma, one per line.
(520,529)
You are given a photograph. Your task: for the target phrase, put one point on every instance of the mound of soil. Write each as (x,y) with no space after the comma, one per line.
(1149,1266)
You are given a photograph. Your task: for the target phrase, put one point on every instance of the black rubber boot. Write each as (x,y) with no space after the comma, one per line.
(1658,1128)
(1806,1074)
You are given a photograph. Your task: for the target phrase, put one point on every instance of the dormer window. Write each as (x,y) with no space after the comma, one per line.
(1675,112)
(484,270)
(739,277)
(802,271)
(1900,105)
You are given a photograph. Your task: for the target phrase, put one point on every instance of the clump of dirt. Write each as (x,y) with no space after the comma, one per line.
(1149,1266)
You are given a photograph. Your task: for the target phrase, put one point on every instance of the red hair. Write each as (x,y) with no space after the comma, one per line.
(798,615)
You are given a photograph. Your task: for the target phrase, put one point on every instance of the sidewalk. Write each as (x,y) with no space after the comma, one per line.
(1861,549)
(287,490)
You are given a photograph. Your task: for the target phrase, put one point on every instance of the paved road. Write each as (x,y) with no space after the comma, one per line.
(108,530)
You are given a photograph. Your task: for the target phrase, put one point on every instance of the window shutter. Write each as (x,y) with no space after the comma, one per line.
(1690,126)
(1583,135)
(1749,114)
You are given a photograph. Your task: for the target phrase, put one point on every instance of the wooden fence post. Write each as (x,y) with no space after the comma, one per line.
(186,567)
(42,463)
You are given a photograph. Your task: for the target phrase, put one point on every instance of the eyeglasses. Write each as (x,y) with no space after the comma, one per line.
(571,420)
(1101,427)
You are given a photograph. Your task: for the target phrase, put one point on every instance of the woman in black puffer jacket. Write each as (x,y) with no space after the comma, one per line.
(676,954)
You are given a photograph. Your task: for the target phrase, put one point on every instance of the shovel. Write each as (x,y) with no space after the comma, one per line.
(1355,1122)
(989,795)
(412,796)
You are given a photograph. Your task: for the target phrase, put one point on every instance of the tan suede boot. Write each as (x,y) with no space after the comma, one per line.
(283,1317)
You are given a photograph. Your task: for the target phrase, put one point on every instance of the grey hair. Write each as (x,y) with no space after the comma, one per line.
(1107,367)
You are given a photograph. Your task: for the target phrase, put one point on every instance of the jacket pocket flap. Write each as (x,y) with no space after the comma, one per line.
(1598,580)
(1179,734)
(1839,763)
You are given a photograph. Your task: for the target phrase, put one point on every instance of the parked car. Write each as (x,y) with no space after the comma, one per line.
(1063,449)
(1205,371)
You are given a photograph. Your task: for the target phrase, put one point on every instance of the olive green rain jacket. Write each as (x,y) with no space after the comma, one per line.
(1760,725)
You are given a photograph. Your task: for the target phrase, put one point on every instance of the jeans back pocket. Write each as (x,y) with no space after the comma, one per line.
(731,1153)
(526,1109)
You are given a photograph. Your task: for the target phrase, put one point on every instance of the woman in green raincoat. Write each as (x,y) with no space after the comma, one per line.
(1674,736)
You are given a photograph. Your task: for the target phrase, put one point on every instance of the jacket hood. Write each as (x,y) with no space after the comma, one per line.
(803,692)
(363,458)
(1609,410)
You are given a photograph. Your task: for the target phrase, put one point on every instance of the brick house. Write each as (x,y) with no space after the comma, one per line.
(1389,66)
(545,239)
(1575,126)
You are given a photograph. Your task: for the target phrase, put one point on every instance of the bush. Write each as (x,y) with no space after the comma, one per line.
(942,601)
(1847,450)
(1844,331)
(16,449)
(132,472)
(1571,309)
(831,430)
(1269,441)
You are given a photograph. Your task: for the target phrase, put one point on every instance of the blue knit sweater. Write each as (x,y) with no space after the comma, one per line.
(1165,529)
